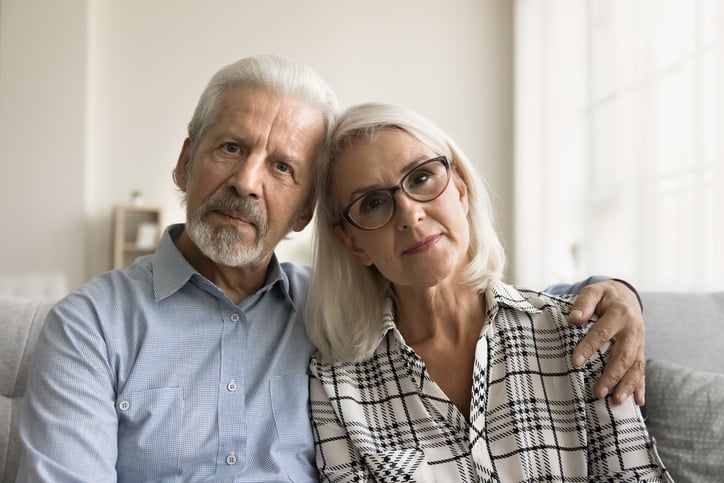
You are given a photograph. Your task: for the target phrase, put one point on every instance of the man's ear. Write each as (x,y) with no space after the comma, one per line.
(303,219)
(346,239)
(180,173)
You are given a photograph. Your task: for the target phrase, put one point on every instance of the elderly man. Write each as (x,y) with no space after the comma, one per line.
(191,364)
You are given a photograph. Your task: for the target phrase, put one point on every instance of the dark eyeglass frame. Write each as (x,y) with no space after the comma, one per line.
(399,187)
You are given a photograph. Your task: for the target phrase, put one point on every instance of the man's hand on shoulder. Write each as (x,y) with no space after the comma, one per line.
(620,321)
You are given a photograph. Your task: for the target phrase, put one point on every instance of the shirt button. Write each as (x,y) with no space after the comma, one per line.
(231,459)
(124,405)
(235,317)
(231,386)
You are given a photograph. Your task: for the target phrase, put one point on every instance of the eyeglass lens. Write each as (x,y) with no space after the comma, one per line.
(425,182)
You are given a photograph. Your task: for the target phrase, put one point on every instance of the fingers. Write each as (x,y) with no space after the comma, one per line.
(617,321)
(620,323)
(585,303)
(640,393)
(620,359)
(624,372)
(632,382)
(599,334)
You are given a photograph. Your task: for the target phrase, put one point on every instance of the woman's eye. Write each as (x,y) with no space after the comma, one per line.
(372,203)
(419,178)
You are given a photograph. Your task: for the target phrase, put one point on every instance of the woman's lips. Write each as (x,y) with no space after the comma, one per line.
(423,245)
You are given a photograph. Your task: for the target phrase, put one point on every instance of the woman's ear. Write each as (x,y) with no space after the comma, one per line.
(180,173)
(462,187)
(346,239)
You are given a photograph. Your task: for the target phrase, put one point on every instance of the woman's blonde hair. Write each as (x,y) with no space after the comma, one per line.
(345,303)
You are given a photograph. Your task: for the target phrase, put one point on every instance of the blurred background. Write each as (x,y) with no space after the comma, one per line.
(596,124)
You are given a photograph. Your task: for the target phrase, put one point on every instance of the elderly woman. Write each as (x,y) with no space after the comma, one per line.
(430,368)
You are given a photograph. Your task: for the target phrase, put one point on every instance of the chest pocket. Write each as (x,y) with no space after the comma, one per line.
(149,432)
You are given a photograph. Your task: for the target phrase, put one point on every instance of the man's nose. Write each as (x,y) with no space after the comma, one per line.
(248,177)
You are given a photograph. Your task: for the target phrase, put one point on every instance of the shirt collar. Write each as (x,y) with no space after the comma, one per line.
(506,295)
(171,271)
(497,295)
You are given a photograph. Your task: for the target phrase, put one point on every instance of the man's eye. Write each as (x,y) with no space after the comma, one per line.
(232,148)
(282,167)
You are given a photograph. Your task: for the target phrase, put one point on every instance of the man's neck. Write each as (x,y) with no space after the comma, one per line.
(237,283)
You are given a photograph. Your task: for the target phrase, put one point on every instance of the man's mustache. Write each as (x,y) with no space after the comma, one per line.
(245,207)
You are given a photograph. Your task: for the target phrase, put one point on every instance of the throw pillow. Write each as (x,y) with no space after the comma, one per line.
(685,414)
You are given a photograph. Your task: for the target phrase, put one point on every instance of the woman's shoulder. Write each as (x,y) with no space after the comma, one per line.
(540,299)
(536,310)
(531,301)
(326,368)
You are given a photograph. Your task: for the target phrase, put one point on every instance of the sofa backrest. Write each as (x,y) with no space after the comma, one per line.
(36,285)
(20,323)
(685,328)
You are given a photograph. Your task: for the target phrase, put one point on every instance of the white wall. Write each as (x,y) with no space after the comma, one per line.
(42,136)
(148,60)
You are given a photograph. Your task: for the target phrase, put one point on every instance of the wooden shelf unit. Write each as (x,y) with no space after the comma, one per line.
(137,229)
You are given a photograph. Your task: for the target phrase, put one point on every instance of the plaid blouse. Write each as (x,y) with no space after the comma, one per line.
(533,416)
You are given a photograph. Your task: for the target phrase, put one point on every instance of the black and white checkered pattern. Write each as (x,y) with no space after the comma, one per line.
(533,416)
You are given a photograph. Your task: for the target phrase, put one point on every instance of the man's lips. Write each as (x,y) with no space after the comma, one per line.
(233,215)
(423,245)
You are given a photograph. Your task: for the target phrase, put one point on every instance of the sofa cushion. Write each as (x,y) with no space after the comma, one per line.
(685,414)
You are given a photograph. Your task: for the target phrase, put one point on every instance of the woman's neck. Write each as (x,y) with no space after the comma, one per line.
(451,312)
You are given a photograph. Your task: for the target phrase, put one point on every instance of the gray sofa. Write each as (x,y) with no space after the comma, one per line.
(685,382)
(684,396)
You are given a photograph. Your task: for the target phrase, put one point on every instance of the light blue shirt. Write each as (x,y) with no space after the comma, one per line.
(150,373)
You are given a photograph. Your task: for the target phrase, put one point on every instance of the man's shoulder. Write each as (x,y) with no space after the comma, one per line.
(297,270)
(115,288)
(139,273)
(298,276)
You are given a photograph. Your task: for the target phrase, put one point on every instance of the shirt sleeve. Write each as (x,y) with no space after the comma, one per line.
(68,426)
(575,288)
(337,458)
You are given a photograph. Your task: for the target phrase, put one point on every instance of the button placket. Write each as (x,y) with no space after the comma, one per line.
(231,405)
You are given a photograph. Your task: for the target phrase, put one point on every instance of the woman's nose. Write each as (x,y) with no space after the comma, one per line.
(408,212)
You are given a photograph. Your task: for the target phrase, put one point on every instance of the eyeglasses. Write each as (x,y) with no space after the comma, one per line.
(424,182)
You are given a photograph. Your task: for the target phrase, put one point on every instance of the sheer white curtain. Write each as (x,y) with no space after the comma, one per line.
(620,142)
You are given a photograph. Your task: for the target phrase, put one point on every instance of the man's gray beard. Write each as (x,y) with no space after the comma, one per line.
(225,245)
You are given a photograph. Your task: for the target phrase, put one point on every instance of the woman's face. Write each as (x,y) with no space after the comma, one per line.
(424,243)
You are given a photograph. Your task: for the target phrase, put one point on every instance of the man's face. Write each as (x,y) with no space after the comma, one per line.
(248,180)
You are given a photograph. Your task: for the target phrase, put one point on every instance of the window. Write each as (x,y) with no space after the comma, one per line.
(619,142)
